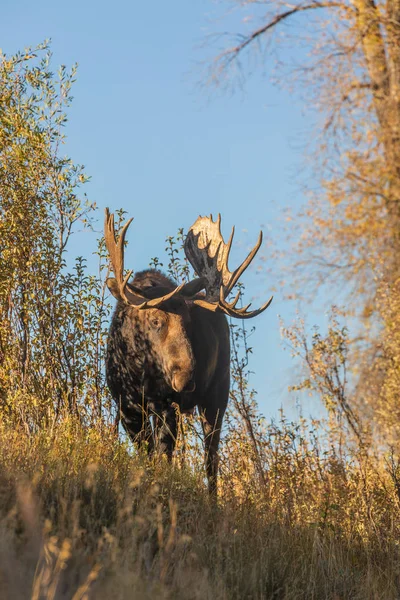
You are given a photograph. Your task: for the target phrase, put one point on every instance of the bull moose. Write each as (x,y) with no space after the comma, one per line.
(169,344)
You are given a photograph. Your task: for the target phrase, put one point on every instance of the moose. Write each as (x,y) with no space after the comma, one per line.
(169,344)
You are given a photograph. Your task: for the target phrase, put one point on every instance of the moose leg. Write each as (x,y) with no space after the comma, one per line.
(137,426)
(165,431)
(211,423)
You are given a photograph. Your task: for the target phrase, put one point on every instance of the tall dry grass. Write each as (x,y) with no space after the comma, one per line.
(81,517)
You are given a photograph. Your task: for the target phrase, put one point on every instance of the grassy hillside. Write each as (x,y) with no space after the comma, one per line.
(81,517)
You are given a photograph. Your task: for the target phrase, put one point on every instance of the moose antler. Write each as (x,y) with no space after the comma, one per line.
(208,254)
(116,254)
(126,291)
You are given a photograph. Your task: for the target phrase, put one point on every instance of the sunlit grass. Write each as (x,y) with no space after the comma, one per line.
(81,517)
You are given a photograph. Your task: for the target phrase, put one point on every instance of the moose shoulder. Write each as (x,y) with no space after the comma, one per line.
(169,344)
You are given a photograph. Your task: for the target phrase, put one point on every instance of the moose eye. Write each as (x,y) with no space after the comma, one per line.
(156,323)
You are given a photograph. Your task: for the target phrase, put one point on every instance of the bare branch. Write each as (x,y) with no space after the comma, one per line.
(229,55)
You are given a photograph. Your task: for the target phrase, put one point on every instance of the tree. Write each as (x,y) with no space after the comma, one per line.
(52,320)
(350,71)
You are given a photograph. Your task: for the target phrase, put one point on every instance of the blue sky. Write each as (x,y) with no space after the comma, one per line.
(166,149)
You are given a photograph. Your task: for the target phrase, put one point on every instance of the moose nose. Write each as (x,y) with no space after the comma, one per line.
(191,385)
(180,380)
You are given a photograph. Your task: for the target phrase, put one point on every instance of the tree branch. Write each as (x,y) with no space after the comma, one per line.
(233,52)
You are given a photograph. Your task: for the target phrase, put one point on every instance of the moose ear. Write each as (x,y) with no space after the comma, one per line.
(193,287)
(132,295)
(114,288)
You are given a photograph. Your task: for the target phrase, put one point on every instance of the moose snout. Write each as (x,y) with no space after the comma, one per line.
(182,380)
(191,384)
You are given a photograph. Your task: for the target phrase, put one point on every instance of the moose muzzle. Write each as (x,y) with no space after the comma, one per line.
(182,380)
